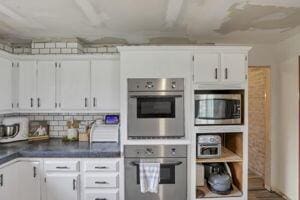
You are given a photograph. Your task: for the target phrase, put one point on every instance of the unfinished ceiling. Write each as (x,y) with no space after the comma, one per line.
(154,21)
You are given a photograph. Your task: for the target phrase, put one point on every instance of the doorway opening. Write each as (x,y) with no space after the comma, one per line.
(259,127)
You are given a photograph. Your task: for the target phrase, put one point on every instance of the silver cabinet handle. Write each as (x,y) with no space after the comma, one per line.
(94,101)
(38,102)
(101,167)
(34,172)
(31,102)
(216,73)
(226,73)
(101,182)
(100,199)
(85,102)
(62,167)
(74,184)
(1,180)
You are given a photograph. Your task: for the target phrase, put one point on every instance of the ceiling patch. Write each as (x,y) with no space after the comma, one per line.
(254,17)
(173,12)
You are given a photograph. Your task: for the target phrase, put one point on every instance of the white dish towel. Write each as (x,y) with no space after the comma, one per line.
(149,177)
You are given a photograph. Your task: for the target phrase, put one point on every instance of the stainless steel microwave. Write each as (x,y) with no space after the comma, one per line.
(219,108)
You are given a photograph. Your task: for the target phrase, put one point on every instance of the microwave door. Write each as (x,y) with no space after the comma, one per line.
(217,111)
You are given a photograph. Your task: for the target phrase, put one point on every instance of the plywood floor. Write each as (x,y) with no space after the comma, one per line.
(257,190)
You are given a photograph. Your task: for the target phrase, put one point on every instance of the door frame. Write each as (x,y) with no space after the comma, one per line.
(267,164)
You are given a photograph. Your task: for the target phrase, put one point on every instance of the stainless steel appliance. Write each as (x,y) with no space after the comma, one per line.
(14,129)
(173,171)
(217,108)
(209,146)
(155,108)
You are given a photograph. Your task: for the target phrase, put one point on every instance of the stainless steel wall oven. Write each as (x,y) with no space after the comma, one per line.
(155,108)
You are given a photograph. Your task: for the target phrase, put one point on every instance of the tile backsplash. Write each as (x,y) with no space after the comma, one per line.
(58,121)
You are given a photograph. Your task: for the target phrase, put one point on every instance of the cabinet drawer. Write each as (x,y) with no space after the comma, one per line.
(62,166)
(102,166)
(102,195)
(101,181)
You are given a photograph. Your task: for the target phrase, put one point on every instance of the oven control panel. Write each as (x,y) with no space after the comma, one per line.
(155,151)
(159,84)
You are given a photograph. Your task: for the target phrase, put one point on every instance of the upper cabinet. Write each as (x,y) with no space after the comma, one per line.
(105,85)
(75,85)
(5,84)
(37,85)
(27,71)
(220,67)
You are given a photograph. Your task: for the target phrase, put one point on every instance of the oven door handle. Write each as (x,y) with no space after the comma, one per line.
(168,163)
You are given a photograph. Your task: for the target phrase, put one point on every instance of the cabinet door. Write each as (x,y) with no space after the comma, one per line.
(62,186)
(29,180)
(5,84)
(27,85)
(46,81)
(8,182)
(233,67)
(105,85)
(206,67)
(75,85)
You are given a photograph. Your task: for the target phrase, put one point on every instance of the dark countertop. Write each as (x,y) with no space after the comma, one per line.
(55,148)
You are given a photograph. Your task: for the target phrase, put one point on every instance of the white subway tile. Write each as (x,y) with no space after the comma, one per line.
(75,51)
(55,51)
(66,51)
(39,45)
(35,51)
(8,48)
(44,51)
(61,44)
(92,50)
(71,45)
(18,50)
(112,49)
(50,45)
(102,49)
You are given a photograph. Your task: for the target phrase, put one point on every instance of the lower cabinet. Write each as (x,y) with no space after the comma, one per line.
(62,186)
(20,181)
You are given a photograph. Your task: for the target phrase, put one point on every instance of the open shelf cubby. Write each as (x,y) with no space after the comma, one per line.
(232,154)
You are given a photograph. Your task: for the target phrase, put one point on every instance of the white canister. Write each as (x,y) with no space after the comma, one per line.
(72,133)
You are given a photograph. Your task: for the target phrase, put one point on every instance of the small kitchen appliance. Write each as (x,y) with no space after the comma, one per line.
(209,146)
(219,107)
(219,178)
(104,133)
(14,129)
(156,108)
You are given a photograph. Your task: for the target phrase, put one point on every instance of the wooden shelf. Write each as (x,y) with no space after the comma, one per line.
(226,156)
(208,194)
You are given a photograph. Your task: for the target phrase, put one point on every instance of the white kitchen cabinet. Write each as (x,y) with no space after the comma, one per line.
(9,182)
(233,67)
(29,180)
(105,85)
(216,67)
(27,85)
(46,85)
(62,186)
(75,85)
(5,85)
(207,67)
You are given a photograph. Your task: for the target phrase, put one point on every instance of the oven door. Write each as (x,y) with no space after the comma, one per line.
(173,180)
(155,114)
(218,109)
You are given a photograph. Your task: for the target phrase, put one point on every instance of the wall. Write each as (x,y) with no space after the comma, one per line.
(257,119)
(284,137)
(286,143)
(57,121)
